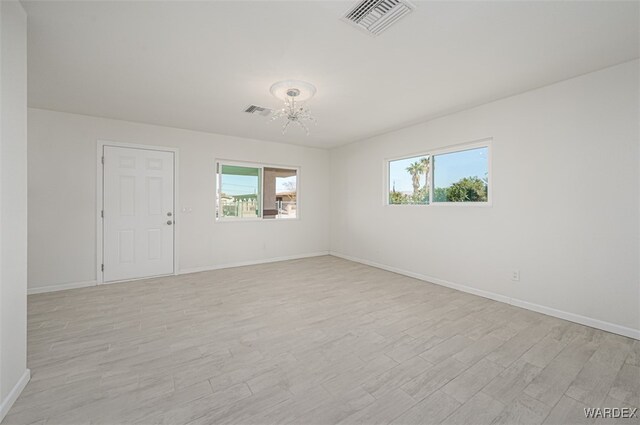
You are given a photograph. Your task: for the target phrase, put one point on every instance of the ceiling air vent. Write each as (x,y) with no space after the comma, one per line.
(375,16)
(253,109)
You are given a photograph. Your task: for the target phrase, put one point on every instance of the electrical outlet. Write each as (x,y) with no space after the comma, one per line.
(515,275)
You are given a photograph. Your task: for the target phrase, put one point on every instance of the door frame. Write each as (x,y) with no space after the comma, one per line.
(101,143)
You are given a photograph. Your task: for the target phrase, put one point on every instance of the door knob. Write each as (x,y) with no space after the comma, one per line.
(169,222)
(169,214)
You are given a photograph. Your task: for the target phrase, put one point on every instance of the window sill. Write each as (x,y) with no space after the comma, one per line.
(444,204)
(253,220)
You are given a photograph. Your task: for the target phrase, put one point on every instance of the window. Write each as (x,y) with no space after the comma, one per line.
(254,191)
(239,194)
(409,181)
(441,177)
(461,176)
(280,193)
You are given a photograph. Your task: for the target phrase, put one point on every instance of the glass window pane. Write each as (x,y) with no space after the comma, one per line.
(461,176)
(280,193)
(239,194)
(409,181)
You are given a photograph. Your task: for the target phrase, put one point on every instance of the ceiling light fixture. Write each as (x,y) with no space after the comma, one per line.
(294,93)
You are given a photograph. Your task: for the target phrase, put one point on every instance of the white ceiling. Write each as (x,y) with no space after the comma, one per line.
(197,65)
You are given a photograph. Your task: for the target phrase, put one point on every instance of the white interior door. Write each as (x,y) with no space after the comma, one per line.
(138,208)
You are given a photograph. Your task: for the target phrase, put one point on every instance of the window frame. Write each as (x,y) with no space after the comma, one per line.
(218,162)
(481,143)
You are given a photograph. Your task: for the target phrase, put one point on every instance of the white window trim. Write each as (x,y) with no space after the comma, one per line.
(482,143)
(261,166)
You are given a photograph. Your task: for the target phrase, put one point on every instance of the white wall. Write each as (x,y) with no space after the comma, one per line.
(565,202)
(13,203)
(62,198)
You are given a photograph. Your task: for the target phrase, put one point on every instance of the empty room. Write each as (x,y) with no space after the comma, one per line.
(319,212)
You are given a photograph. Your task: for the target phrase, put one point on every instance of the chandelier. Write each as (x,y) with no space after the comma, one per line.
(294,94)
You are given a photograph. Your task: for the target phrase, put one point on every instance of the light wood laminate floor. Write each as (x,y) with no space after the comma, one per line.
(312,341)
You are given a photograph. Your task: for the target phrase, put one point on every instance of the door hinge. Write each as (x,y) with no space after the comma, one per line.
(102,213)
(102,267)
(102,159)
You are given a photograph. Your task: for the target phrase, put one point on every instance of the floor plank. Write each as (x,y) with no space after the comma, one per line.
(315,341)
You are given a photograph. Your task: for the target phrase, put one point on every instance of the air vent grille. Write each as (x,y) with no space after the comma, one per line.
(375,16)
(254,109)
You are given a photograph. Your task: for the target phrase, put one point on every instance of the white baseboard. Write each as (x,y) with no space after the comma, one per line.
(577,318)
(252,262)
(60,287)
(14,393)
(571,317)
(74,285)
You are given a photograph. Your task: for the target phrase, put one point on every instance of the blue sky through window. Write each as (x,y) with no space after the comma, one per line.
(282,183)
(248,185)
(400,177)
(450,168)
(239,185)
